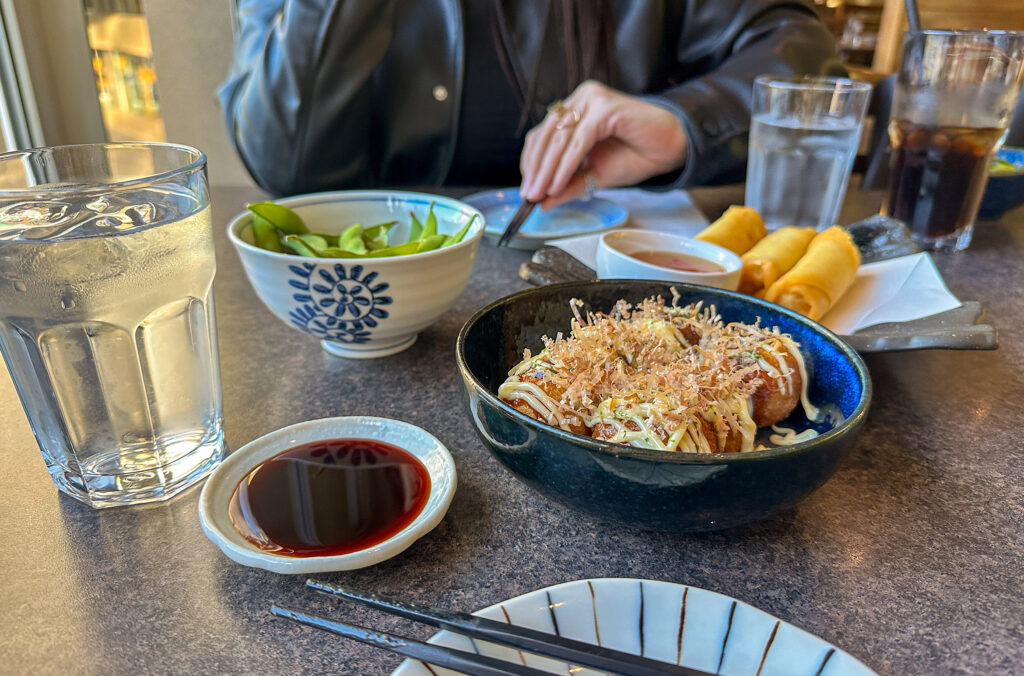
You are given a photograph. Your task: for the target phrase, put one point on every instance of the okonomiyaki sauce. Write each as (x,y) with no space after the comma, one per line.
(329,497)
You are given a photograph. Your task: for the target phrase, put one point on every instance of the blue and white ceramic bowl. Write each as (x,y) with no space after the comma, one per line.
(1005,189)
(668,622)
(651,489)
(362,308)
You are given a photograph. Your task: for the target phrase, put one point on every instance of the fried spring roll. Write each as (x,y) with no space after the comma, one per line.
(820,277)
(737,230)
(772,257)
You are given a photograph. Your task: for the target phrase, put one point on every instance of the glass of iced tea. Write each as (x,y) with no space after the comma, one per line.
(954,98)
(106,316)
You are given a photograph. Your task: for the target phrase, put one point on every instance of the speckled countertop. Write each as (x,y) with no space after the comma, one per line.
(909,557)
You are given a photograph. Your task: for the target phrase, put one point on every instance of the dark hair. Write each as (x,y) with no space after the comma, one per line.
(587,39)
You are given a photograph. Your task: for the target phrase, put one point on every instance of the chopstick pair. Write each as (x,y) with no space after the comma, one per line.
(522,213)
(558,647)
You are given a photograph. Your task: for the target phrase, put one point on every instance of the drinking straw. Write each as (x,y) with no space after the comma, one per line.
(913,16)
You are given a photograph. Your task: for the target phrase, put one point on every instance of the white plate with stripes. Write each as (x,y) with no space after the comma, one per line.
(670,622)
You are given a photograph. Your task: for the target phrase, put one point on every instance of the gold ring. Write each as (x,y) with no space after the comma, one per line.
(560,110)
(571,122)
(557,108)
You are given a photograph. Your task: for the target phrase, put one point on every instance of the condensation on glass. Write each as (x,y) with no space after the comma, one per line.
(106,316)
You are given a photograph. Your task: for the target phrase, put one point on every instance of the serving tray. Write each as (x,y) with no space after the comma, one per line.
(957,329)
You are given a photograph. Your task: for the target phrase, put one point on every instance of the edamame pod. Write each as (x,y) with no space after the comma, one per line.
(457,237)
(376,237)
(398,250)
(298,246)
(351,240)
(283,218)
(430,227)
(332,240)
(334,252)
(313,241)
(430,243)
(264,234)
(415,227)
(375,231)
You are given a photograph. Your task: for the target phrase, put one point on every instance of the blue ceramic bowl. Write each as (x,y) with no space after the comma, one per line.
(652,489)
(1005,190)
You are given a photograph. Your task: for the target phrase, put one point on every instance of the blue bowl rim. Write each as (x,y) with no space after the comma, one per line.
(1004,152)
(606,448)
(475,234)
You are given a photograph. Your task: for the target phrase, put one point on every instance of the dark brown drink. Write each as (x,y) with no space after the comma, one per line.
(938,175)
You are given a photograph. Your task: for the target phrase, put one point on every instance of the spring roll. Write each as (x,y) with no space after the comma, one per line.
(820,277)
(737,230)
(772,257)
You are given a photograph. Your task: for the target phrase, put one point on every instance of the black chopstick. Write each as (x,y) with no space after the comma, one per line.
(441,656)
(522,213)
(565,649)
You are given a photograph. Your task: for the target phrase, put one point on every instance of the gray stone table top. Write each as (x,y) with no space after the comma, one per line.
(909,557)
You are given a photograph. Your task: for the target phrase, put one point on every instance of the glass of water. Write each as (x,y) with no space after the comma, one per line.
(803,139)
(106,316)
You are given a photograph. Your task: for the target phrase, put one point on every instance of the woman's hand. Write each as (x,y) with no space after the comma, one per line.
(616,138)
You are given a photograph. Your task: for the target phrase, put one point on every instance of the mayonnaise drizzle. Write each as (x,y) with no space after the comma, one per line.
(723,417)
(784,436)
(810,410)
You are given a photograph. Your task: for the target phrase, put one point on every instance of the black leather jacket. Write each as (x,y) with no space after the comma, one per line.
(327,94)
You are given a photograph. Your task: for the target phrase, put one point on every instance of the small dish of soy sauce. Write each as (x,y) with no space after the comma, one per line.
(328,495)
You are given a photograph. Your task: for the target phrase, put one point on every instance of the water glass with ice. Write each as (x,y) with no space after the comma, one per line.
(106,316)
(804,136)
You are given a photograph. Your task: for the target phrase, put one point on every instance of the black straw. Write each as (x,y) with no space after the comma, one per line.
(913,16)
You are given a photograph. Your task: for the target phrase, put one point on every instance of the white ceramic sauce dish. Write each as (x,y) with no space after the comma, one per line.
(362,307)
(614,259)
(216,496)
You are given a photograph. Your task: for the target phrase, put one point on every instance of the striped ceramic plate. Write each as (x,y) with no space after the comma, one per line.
(661,620)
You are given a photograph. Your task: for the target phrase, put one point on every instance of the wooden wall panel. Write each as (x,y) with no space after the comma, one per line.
(993,14)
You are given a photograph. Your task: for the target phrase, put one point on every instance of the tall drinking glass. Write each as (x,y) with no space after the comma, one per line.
(803,139)
(106,316)
(954,97)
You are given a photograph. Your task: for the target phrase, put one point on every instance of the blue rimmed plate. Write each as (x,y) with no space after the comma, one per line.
(568,220)
(669,622)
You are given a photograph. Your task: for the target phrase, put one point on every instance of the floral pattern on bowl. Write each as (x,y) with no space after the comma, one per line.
(341,305)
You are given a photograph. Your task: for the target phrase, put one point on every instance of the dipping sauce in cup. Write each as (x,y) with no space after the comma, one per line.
(645,254)
(677,261)
(329,497)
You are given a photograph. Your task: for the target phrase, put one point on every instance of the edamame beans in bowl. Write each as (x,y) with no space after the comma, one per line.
(360,305)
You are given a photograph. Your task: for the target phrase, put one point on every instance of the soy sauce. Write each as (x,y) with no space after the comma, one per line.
(329,497)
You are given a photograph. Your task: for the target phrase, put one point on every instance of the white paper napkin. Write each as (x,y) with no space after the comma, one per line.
(896,290)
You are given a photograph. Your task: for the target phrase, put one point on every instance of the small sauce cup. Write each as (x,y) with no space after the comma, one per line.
(616,259)
(216,499)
